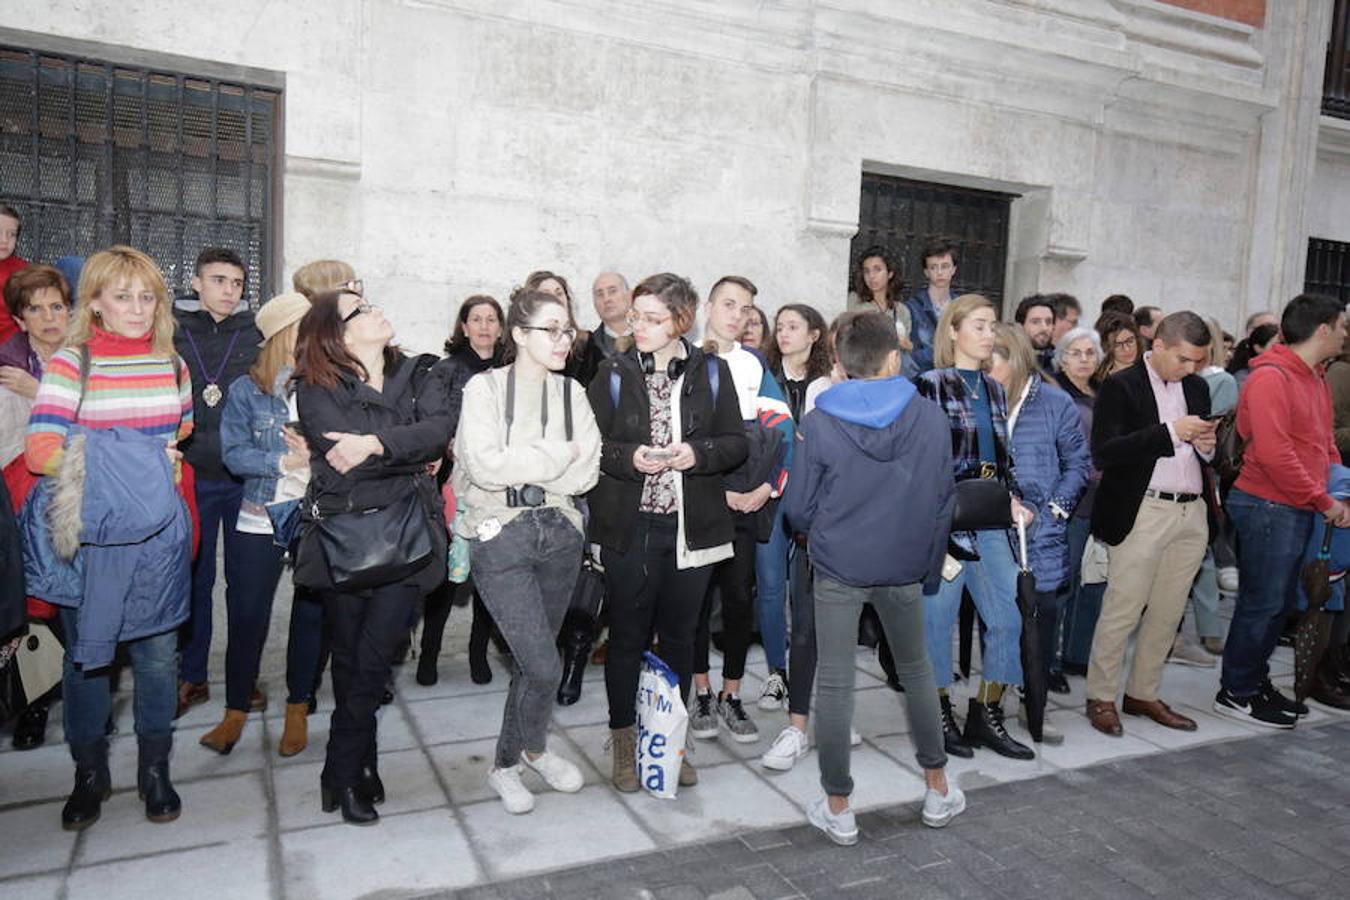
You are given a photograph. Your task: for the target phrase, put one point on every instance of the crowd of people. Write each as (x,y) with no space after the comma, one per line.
(801,483)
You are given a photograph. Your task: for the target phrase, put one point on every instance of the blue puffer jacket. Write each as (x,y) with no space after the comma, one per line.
(116,500)
(1053,465)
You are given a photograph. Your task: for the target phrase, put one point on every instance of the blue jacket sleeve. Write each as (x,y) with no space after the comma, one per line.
(1075,461)
(799,500)
(240,454)
(776,414)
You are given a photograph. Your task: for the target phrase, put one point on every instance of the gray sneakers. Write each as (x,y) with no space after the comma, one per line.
(703,717)
(742,728)
(938,810)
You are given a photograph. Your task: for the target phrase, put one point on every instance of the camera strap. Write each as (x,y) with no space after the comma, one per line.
(543,404)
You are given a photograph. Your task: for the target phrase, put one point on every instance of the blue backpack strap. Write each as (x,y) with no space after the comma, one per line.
(714,376)
(614,387)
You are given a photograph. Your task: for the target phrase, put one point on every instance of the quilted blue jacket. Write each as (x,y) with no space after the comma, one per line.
(1053,465)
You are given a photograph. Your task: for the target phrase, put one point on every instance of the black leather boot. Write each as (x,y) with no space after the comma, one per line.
(93,785)
(30,731)
(356,807)
(162,803)
(370,785)
(984,728)
(578,637)
(951,735)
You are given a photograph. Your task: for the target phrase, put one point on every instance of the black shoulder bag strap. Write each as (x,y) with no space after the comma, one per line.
(543,404)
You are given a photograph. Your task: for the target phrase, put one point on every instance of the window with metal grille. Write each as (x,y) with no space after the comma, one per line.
(1328,269)
(1336,75)
(94,153)
(903,215)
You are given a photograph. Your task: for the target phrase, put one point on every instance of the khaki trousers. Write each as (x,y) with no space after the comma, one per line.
(1147,583)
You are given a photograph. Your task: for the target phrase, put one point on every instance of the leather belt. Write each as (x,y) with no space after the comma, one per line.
(1168,495)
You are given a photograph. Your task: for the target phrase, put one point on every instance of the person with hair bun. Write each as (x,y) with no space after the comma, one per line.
(670,426)
(526,447)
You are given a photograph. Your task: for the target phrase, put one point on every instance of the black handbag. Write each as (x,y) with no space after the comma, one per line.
(589,594)
(366,548)
(982,503)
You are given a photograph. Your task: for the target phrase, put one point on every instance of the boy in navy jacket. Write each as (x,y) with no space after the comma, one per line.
(872,489)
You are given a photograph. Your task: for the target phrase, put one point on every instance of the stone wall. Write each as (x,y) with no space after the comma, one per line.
(449,146)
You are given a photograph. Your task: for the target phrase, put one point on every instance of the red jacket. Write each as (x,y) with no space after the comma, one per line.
(8,266)
(1284,414)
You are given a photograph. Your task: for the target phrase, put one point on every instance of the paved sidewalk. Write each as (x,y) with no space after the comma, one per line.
(251,825)
(1249,819)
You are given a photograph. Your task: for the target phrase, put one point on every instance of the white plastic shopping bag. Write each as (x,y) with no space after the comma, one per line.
(1096,561)
(662,721)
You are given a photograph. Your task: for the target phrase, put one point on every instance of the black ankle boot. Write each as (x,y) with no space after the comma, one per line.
(479,670)
(984,728)
(427,674)
(356,808)
(93,785)
(951,735)
(575,658)
(162,803)
(30,732)
(370,785)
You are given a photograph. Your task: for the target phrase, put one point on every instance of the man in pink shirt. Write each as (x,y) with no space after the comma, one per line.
(1150,437)
(1284,414)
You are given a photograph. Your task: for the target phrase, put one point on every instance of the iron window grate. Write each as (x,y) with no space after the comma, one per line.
(93,153)
(1328,269)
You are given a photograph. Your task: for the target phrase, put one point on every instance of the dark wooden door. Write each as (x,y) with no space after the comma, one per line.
(903,215)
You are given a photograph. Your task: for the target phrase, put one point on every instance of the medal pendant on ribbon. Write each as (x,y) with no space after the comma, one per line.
(212,394)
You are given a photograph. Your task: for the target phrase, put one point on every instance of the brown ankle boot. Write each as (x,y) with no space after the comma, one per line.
(295,733)
(623,744)
(224,736)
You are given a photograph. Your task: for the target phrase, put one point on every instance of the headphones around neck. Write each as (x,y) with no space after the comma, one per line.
(674,368)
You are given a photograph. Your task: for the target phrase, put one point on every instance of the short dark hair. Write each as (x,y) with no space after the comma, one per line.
(1305,313)
(23,284)
(218,255)
(1143,317)
(1182,326)
(739,280)
(939,246)
(7,210)
(1063,303)
(863,339)
(1030,303)
(1118,303)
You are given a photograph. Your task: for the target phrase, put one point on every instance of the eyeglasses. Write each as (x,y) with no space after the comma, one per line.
(556,333)
(1080,354)
(634,319)
(357,310)
(357,287)
(1123,343)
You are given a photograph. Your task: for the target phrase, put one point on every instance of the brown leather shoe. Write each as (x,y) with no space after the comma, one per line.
(1159,712)
(257,701)
(190,695)
(1102,715)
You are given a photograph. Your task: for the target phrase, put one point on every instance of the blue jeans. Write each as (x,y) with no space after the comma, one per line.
(249,604)
(1083,603)
(88,693)
(1271,542)
(771,570)
(306,646)
(217,506)
(992,580)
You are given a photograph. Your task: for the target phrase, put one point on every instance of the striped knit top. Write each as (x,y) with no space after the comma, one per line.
(128,385)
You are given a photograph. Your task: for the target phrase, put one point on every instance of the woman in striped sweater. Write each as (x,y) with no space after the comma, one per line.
(118,368)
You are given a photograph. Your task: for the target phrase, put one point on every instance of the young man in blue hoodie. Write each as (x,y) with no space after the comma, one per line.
(870,442)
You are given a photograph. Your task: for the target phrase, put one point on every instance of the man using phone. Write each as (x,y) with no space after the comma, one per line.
(1151,433)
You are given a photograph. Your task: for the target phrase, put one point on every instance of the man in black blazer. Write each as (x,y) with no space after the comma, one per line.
(1150,438)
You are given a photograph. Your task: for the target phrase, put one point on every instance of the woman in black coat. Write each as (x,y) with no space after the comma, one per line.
(372,433)
(671,426)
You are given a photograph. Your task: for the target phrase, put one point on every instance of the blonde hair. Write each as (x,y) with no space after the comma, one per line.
(321,275)
(1217,350)
(953,314)
(109,268)
(1012,343)
(277,353)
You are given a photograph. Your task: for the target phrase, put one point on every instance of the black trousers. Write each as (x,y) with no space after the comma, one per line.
(649,596)
(733,578)
(365,629)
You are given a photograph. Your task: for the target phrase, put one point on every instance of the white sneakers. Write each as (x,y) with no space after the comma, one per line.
(938,810)
(842,828)
(558,773)
(790,746)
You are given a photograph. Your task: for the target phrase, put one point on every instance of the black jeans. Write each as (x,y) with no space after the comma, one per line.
(249,607)
(366,628)
(649,595)
(306,646)
(733,577)
(802,655)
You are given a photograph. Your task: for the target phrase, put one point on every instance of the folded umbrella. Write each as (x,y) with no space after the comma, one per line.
(1034,682)
(1314,629)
